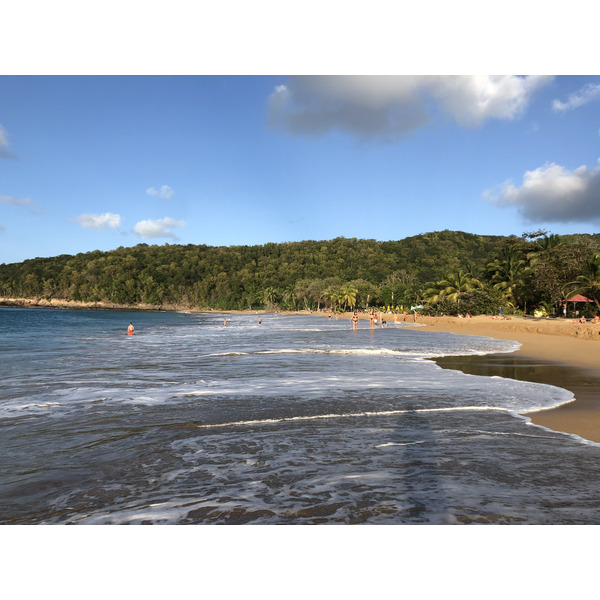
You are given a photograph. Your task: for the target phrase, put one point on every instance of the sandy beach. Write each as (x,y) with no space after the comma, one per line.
(553,351)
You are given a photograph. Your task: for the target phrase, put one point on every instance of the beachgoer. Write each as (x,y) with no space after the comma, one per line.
(355,320)
(224,322)
(565,310)
(130,329)
(259,321)
(371,318)
(582,320)
(500,312)
(415,316)
(404,316)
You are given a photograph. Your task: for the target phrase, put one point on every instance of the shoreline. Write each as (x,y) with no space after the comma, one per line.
(556,351)
(553,351)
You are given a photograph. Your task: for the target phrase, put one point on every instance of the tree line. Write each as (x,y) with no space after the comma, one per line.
(445,271)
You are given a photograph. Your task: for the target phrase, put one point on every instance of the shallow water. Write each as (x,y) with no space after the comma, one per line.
(297,420)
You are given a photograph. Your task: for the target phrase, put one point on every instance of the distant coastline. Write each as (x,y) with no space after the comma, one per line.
(78,305)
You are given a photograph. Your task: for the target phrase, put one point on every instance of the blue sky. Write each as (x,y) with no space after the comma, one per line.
(128,122)
(98,162)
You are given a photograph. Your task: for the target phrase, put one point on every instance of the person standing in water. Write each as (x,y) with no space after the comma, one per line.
(355,320)
(130,329)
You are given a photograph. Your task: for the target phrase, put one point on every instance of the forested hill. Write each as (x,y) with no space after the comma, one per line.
(238,277)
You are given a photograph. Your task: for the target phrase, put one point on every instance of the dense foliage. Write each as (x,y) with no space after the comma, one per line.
(450,271)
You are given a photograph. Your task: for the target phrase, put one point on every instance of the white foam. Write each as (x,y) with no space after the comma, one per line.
(381,413)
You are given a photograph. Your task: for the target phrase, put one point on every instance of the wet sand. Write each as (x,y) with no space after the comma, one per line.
(559,352)
(553,351)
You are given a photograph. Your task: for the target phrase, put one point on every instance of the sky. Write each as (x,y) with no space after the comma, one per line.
(97,158)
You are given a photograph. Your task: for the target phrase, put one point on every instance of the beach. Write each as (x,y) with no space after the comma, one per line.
(555,351)
(566,354)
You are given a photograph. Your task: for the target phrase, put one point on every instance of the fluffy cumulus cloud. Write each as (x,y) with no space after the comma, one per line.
(4,144)
(105,221)
(15,201)
(388,107)
(164,192)
(586,94)
(159,228)
(554,194)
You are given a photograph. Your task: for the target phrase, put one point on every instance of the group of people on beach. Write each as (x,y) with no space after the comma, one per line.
(582,320)
(377,318)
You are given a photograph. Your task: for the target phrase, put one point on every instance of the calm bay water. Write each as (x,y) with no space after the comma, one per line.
(298,420)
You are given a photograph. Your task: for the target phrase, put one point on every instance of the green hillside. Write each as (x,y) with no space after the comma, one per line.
(340,272)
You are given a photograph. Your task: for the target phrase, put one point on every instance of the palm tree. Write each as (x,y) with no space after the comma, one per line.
(509,271)
(269,295)
(453,287)
(333,295)
(348,295)
(289,296)
(587,284)
(543,244)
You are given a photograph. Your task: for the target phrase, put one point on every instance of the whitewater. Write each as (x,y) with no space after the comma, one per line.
(296,420)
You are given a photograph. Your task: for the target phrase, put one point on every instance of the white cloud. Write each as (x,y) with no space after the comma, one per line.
(15,201)
(157,228)
(388,107)
(105,221)
(554,194)
(586,94)
(5,144)
(164,192)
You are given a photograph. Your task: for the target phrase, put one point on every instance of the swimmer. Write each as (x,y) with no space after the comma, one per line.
(130,329)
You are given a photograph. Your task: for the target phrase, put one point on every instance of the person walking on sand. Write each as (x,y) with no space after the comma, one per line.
(355,320)
(130,329)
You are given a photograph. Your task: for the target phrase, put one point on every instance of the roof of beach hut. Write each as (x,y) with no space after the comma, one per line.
(579,298)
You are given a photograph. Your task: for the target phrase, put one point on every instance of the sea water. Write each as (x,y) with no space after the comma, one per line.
(295,420)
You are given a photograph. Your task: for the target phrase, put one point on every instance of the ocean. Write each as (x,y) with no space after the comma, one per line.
(297,420)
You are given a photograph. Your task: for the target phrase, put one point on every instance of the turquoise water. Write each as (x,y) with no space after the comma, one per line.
(298,420)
